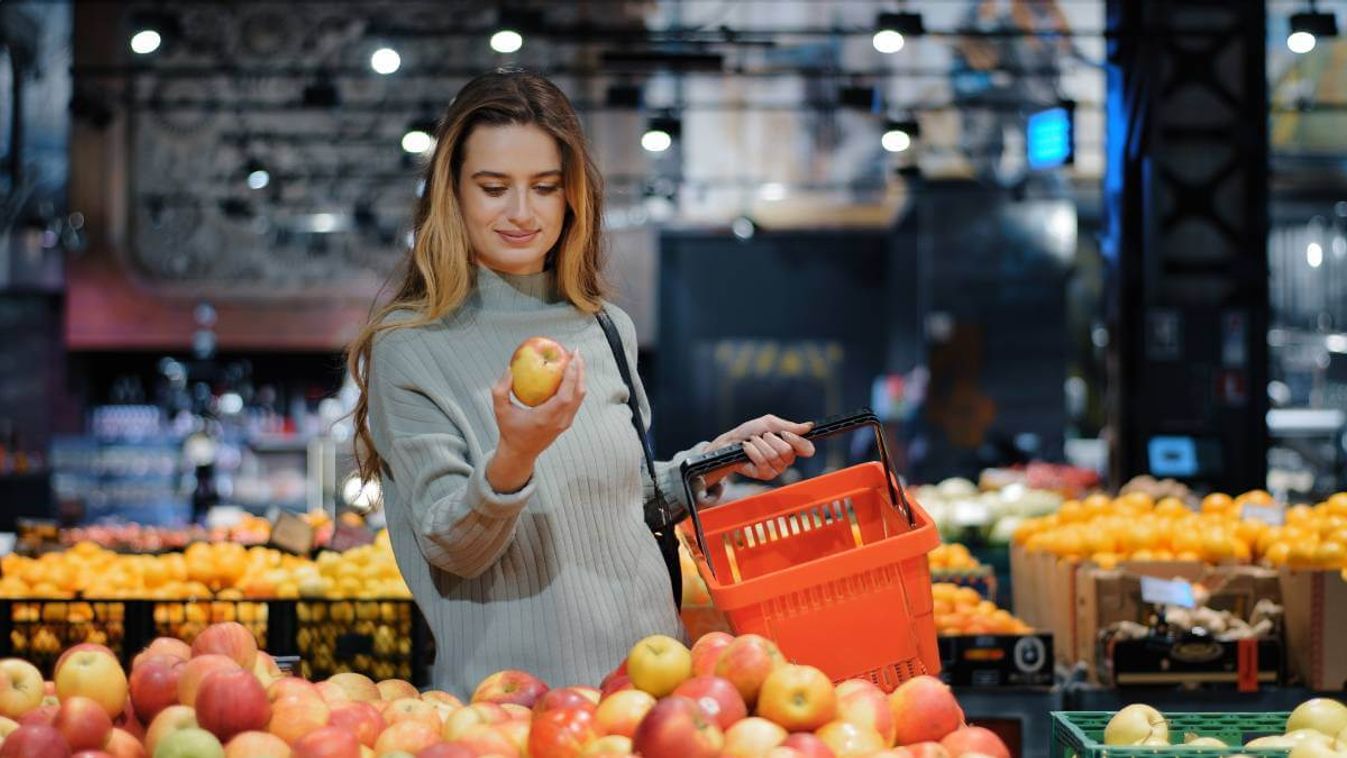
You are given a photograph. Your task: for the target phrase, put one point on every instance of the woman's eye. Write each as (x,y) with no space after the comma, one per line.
(494,191)
(547,189)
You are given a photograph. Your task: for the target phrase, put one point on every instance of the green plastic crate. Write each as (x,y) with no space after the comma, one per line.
(1081,733)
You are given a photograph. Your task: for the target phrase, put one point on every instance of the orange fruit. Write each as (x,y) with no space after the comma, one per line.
(1216,502)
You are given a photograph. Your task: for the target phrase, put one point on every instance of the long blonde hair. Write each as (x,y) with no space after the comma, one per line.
(438,273)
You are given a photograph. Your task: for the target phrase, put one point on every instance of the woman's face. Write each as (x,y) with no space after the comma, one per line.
(510,189)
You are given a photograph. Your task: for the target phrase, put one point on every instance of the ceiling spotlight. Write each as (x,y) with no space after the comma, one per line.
(660,134)
(898,135)
(859,97)
(623,96)
(743,228)
(418,137)
(892,30)
(145,41)
(258,176)
(1314,254)
(1308,27)
(149,29)
(507,41)
(385,61)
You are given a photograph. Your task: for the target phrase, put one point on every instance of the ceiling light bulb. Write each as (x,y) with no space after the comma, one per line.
(656,141)
(145,42)
(888,41)
(417,141)
(1301,42)
(385,61)
(506,41)
(896,141)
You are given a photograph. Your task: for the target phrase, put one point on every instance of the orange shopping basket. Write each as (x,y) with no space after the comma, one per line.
(832,569)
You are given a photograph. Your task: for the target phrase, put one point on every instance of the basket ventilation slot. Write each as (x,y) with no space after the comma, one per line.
(781,527)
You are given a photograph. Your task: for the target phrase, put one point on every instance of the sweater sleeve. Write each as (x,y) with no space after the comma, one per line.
(666,472)
(462,525)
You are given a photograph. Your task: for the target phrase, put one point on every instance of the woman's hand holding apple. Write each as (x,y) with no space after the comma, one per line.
(526,432)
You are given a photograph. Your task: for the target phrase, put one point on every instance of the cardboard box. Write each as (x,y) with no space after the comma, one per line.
(1316,619)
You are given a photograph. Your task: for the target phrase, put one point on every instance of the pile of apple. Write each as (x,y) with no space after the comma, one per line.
(221,697)
(1317,728)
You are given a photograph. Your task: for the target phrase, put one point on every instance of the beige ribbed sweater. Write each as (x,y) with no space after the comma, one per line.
(560,578)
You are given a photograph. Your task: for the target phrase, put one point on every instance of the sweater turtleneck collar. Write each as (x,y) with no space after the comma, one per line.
(516,292)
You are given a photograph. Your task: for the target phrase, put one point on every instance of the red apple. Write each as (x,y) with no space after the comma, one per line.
(927,750)
(154,684)
(361,719)
(471,715)
(123,745)
(809,745)
(95,675)
(746,662)
(658,664)
(392,689)
(489,740)
(677,728)
(781,751)
(169,720)
(974,739)
(445,750)
(291,685)
(328,742)
(621,712)
(706,651)
(616,683)
(358,687)
(413,709)
(256,745)
(846,739)
(517,712)
(293,717)
(562,733)
(170,646)
(752,738)
(563,697)
(43,715)
(717,697)
(408,736)
(442,697)
(861,702)
(230,639)
(91,754)
(332,693)
(536,368)
(924,710)
(195,671)
(510,686)
(34,742)
(83,723)
(611,746)
(77,648)
(229,702)
(21,687)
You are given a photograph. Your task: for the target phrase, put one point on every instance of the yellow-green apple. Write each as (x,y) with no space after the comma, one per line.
(154,684)
(34,741)
(7,725)
(43,715)
(95,675)
(752,738)
(392,689)
(800,698)
(189,743)
(592,693)
(517,712)
(291,686)
(361,719)
(1322,714)
(562,733)
(489,740)
(328,742)
(706,651)
(359,687)
(621,712)
(266,670)
(229,702)
(658,664)
(164,646)
(471,715)
(195,671)
(717,697)
(438,750)
(974,739)
(228,638)
(78,648)
(294,716)
(409,736)
(413,709)
(256,745)
(924,710)
(536,369)
(332,693)
(746,662)
(563,697)
(510,686)
(926,750)
(610,745)
(861,702)
(677,728)
(169,720)
(846,739)
(781,751)
(21,687)
(121,744)
(809,745)
(516,731)
(440,696)
(83,723)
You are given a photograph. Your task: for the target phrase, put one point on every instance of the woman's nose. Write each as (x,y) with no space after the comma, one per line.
(520,207)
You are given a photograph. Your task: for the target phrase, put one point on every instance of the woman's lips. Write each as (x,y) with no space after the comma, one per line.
(517,238)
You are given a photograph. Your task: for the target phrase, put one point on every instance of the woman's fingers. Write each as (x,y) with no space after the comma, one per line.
(800,445)
(785,452)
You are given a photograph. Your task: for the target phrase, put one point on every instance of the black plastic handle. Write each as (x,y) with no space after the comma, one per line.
(715,460)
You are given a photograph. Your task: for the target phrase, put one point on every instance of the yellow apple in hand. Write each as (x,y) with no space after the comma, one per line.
(536,369)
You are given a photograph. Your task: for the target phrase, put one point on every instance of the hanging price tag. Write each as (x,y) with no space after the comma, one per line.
(1273,515)
(1167,592)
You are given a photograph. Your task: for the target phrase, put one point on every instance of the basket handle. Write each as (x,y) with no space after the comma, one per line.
(715,460)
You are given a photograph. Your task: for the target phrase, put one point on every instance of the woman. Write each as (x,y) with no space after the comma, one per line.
(519,530)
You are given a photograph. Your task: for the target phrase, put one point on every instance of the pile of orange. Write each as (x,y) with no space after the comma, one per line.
(1135,527)
(961,610)
(952,557)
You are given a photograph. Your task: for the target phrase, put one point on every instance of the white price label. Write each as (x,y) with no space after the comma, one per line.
(1167,592)
(1273,515)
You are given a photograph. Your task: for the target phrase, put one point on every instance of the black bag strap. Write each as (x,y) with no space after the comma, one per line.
(657,516)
